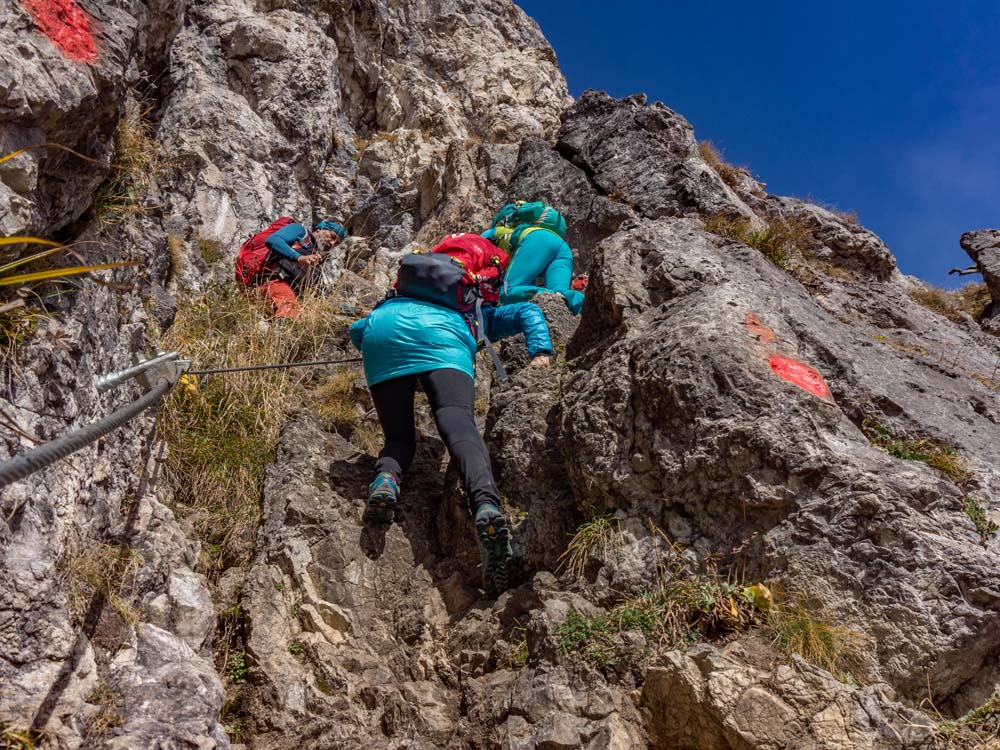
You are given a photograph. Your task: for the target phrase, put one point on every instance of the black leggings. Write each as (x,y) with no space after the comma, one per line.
(452,396)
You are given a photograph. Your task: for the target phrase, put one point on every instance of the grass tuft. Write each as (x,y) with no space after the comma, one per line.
(222,431)
(136,162)
(683,609)
(103,570)
(334,401)
(779,241)
(977,730)
(971,299)
(941,457)
(984,526)
(732,176)
(210,250)
(105,718)
(799,629)
(12,738)
(591,536)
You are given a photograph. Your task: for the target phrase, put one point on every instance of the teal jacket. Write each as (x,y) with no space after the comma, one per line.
(405,336)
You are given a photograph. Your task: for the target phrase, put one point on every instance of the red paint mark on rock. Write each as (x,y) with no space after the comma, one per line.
(761,331)
(67,25)
(800,374)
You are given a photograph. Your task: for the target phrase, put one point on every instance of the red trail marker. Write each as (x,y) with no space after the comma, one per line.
(67,25)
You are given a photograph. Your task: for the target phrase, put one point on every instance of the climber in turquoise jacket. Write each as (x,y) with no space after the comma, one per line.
(403,336)
(405,341)
(540,252)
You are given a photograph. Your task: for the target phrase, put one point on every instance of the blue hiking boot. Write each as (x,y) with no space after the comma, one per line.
(494,547)
(383,492)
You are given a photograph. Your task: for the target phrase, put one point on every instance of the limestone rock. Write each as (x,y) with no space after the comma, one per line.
(674,409)
(983,247)
(708,698)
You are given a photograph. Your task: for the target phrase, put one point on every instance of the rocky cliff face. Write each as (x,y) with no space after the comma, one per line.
(750,373)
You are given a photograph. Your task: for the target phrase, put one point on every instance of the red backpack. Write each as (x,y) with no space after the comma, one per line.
(483,262)
(463,272)
(252,258)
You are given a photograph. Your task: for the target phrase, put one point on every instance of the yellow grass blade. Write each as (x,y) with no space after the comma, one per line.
(56,273)
(20,151)
(28,241)
(36,256)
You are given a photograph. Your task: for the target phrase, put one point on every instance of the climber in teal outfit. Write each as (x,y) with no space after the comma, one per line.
(539,252)
(405,341)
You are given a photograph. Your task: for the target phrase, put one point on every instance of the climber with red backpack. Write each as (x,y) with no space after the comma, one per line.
(427,330)
(279,260)
(532,234)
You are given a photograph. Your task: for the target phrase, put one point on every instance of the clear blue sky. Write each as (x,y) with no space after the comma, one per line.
(891,109)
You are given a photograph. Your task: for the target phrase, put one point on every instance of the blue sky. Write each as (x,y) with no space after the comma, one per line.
(890,109)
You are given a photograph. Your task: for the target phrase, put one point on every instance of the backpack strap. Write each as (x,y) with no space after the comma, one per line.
(481,331)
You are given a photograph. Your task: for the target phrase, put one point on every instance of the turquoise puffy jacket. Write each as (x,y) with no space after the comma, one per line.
(405,336)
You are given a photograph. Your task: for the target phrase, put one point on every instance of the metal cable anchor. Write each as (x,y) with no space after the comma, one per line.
(164,364)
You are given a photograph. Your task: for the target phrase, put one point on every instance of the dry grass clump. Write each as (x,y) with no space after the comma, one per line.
(779,240)
(12,738)
(596,534)
(136,162)
(105,718)
(951,303)
(103,570)
(222,430)
(944,458)
(334,402)
(796,628)
(683,609)
(732,176)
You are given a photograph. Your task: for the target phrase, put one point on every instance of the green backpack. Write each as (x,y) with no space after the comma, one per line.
(534,213)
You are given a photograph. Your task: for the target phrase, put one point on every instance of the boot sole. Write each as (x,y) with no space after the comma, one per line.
(379,510)
(494,539)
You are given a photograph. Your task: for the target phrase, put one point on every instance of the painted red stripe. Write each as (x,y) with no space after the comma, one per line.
(67,25)
(801,374)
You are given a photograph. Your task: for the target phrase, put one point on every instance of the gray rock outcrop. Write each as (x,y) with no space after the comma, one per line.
(983,247)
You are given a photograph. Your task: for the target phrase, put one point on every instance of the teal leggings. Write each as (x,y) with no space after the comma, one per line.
(542,253)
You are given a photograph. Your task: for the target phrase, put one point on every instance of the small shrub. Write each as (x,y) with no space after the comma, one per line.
(798,629)
(971,299)
(295,648)
(595,534)
(732,176)
(237,667)
(977,730)
(984,526)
